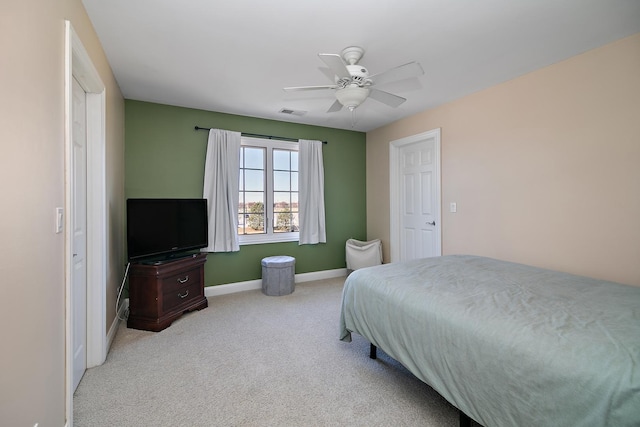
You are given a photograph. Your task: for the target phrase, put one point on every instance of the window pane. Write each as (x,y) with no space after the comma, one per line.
(253,180)
(282,222)
(254,214)
(255,224)
(281,201)
(281,181)
(294,160)
(286,222)
(294,181)
(294,202)
(253,157)
(281,160)
(252,197)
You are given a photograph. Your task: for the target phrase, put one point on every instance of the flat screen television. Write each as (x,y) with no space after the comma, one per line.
(161,229)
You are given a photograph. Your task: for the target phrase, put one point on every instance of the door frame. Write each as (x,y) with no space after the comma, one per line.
(78,64)
(395,188)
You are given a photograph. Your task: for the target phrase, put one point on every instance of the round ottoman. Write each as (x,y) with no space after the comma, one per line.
(278,275)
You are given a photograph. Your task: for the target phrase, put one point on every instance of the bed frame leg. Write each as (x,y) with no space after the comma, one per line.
(465,421)
(373,352)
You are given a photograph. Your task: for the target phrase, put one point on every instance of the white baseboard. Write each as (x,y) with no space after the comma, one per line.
(321,275)
(249,285)
(230,288)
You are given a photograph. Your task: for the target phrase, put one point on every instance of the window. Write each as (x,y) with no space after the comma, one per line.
(268,202)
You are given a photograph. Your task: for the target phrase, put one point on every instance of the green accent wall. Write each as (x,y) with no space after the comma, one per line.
(164,157)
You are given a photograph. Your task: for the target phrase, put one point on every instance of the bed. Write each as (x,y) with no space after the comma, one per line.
(507,344)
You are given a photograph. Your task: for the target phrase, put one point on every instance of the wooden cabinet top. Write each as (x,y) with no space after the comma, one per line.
(168,267)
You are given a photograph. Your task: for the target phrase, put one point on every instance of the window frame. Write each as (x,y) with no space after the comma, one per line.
(269,236)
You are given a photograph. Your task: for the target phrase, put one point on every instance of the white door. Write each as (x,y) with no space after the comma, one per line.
(415,195)
(79,234)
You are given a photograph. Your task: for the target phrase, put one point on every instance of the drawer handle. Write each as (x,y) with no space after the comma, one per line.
(185,294)
(185,280)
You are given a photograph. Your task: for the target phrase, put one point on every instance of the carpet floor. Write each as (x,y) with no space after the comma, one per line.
(255,360)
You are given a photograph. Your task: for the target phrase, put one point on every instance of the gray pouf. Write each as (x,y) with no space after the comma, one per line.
(278,275)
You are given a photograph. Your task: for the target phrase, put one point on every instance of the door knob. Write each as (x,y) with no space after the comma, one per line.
(432,223)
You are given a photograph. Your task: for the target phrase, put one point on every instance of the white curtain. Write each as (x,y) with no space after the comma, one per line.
(221,189)
(311,188)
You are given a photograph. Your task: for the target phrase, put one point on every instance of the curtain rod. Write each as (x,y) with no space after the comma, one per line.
(257,135)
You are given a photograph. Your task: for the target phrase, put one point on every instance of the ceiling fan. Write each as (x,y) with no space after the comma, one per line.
(353,84)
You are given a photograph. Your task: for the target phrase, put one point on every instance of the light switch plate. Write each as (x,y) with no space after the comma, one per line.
(453,207)
(59,220)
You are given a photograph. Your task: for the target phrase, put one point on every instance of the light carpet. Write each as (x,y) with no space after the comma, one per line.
(255,360)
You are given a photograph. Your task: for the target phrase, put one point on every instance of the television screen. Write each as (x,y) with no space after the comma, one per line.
(165,227)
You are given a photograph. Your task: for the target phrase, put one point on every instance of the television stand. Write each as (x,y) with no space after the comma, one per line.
(161,293)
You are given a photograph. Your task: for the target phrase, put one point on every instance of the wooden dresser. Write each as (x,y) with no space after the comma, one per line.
(160,293)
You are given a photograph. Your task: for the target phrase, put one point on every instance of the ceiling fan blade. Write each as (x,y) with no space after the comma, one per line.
(412,69)
(337,65)
(386,97)
(336,106)
(328,72)
(296,88)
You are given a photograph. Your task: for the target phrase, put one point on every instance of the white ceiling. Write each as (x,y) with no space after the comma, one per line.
(235,56)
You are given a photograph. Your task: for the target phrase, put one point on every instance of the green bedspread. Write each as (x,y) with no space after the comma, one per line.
(508,344)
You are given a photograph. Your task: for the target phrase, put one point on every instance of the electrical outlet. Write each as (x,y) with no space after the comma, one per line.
(453,207)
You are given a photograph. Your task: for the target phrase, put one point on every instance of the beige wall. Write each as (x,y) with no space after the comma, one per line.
(545,168)
(32,46)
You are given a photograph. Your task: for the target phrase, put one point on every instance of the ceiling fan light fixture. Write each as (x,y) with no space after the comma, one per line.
(352,96)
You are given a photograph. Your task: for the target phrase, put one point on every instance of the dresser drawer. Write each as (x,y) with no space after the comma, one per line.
(181,280)
(172,300)
(159,293)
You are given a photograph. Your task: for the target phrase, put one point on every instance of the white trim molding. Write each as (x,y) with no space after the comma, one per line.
(78,65)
